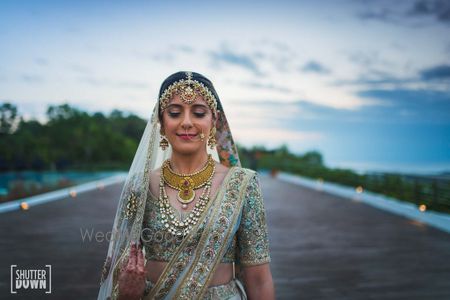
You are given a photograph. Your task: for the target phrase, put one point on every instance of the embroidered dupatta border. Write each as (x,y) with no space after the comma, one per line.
(216,236)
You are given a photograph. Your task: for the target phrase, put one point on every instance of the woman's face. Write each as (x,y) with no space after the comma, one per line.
(184,123)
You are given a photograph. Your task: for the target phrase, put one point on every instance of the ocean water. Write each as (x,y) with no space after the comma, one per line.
(425,169)
(32,182)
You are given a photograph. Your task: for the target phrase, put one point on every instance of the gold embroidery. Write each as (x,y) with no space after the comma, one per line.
(238,183)
(131,205)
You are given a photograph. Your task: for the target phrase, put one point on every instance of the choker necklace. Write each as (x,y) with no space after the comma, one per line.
(187,183)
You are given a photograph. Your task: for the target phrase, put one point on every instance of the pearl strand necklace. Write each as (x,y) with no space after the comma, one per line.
(171,222)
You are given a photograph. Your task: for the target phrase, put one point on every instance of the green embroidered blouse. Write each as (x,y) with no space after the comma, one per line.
(249,246)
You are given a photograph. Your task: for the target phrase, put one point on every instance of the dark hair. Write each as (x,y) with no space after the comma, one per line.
(182,75)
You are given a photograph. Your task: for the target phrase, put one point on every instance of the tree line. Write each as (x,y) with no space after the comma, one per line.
(72,139)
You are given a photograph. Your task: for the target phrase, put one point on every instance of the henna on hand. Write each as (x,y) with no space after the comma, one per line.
(132,275)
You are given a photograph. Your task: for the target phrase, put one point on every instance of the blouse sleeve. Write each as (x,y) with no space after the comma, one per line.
(252,235)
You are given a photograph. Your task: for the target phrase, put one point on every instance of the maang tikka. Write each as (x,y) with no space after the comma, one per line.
(189,90)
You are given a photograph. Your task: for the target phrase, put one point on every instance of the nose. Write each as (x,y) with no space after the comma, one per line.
(186,122)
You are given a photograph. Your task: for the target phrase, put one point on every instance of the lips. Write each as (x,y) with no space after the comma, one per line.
(185,136)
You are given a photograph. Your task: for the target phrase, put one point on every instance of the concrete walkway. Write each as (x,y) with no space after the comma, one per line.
(325,247)
(322,246)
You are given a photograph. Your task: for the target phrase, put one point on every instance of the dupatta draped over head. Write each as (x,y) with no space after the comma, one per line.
(175,281)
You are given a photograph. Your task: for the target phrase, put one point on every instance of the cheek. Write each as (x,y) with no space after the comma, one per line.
(169,123)
(205,124)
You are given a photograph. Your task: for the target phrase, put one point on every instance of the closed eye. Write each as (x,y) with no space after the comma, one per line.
(173,114)
(199,114)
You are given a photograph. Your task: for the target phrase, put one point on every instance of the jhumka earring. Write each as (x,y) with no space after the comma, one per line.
(212,138)
(202,136)
(163,143)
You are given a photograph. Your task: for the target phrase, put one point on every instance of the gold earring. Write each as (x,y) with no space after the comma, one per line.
(164,143)
(212,138)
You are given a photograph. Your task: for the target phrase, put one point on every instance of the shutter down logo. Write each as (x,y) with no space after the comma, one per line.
(31,279)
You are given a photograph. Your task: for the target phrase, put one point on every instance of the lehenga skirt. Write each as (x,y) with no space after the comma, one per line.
(233,290)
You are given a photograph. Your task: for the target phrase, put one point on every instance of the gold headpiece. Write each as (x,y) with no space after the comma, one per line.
(188,90)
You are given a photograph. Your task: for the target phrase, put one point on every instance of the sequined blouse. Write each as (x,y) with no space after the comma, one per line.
(249,246)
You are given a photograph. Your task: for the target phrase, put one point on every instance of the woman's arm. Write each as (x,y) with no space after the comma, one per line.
(253,256)
(258,282)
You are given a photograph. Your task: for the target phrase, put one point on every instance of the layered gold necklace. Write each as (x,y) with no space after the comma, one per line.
(185,184)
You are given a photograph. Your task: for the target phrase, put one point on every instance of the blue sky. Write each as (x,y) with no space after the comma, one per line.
(367,83)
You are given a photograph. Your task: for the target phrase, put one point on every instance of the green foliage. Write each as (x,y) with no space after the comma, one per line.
(435,194)
(70,139)
(8,118)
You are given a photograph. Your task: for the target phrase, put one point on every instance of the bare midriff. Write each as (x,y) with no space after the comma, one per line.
(222,275)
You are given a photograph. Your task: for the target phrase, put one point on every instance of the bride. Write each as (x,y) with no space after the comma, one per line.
(190,222)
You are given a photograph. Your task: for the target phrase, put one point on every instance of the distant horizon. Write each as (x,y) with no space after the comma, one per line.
(357,166)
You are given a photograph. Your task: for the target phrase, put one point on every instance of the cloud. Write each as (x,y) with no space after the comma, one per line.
(405,125)
(382,14)
(267,86)
(367,58)
(410,105)
(165,56)
(41,61)
(300,110)
(183,48)
(80,69)
(377,78)
(394,106)
(277,45)
(438,9)
(279,55)
(31,78)
(430,78)
(315,67)
(437,72)
(227,56)
(168,54)
(97,82)
(407,13)
(275,135)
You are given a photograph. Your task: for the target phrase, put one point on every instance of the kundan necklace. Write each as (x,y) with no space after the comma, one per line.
(170,221)
(187,183)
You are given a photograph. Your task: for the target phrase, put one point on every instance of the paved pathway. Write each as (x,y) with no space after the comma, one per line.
(322,246)
(325,247)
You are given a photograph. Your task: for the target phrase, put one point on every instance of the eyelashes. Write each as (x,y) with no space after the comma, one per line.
(200,114)
(177,114)
(173,114)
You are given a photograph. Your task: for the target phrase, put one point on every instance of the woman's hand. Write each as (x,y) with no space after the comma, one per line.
(132,275)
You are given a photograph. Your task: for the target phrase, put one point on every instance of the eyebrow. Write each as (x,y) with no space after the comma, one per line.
(193,105)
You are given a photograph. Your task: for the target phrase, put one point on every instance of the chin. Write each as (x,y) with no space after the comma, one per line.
(187,149)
